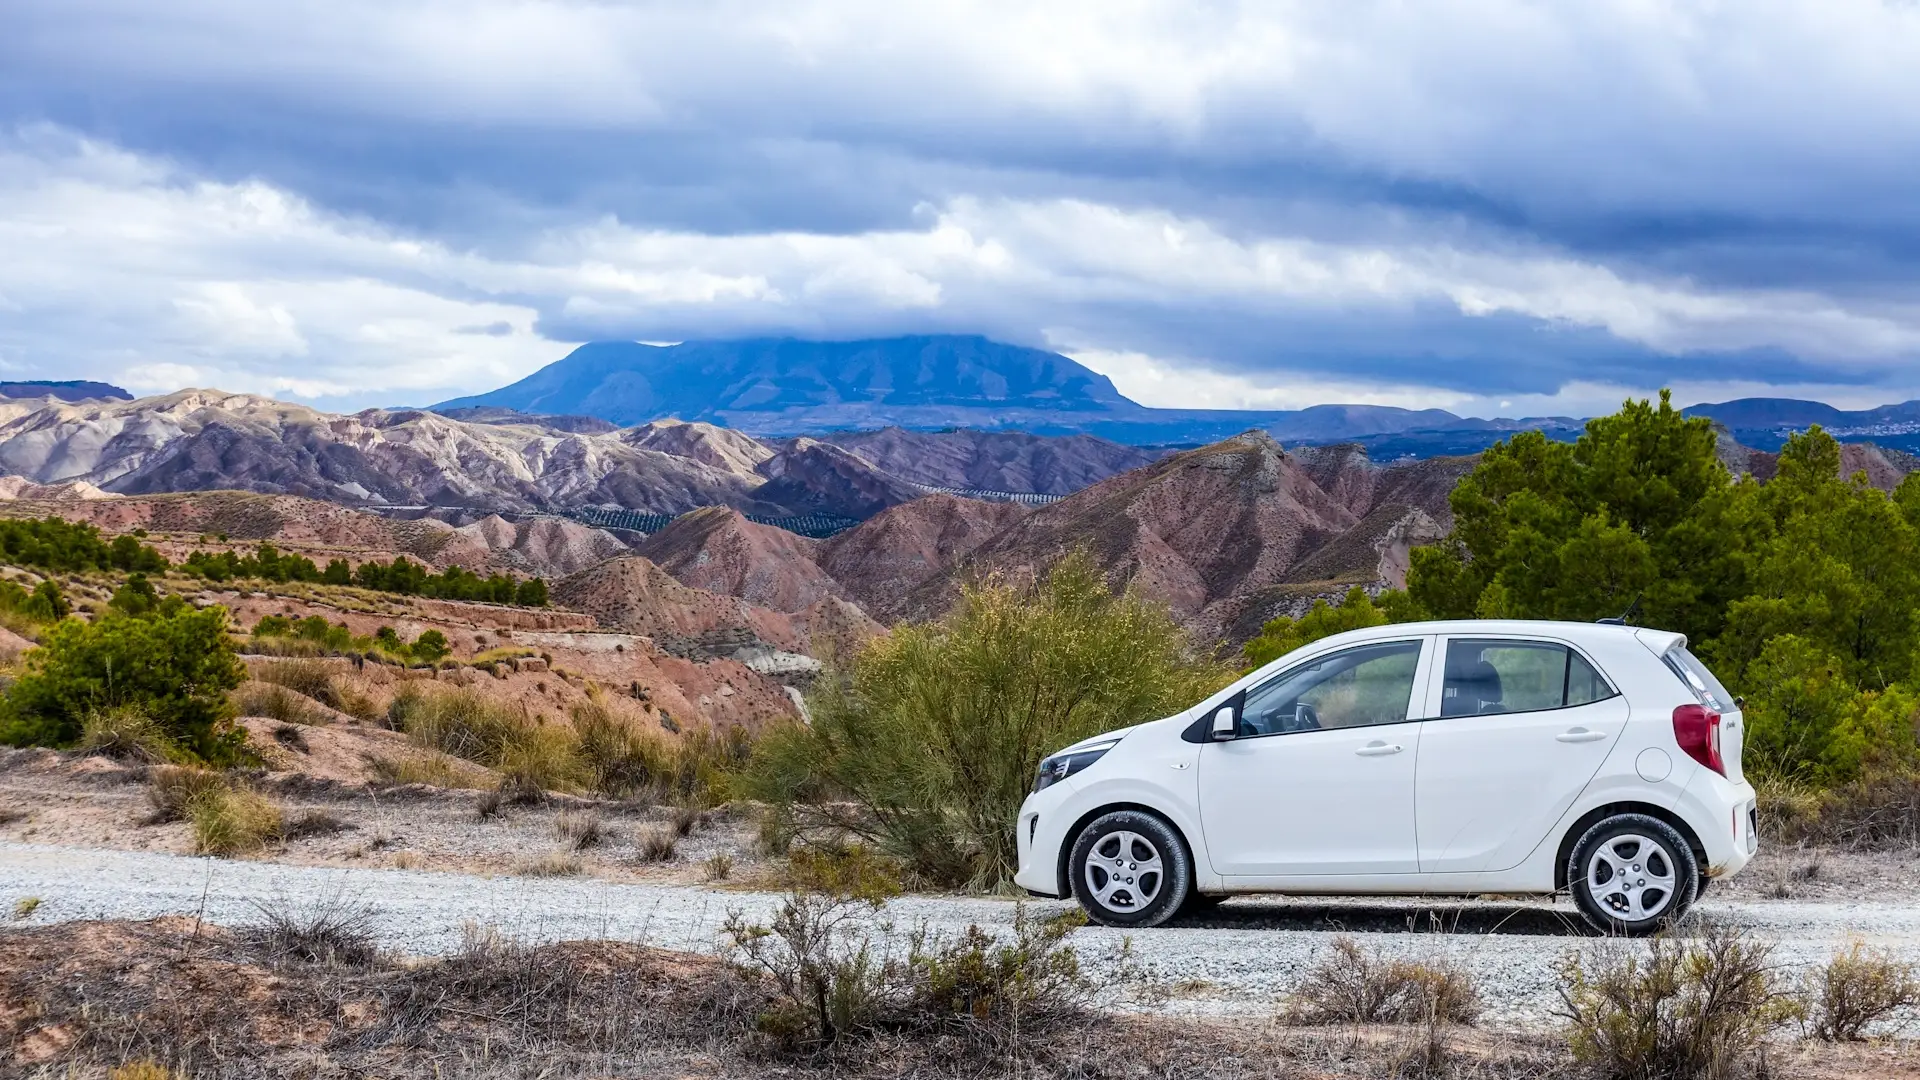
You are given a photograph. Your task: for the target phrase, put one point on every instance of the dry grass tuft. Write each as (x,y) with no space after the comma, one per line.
(581,829)
(424,767)
(1699,1007)
(172,788)
(328,929)
(657,843)
(309,678)
(228,819)
(552,864)
(128,735)
(145,1069)
(719,866)
(1351,986)
(275,702)
(1857,990)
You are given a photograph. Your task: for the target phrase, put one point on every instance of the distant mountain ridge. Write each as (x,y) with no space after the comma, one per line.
(64,390)
(784,386)
(495,461)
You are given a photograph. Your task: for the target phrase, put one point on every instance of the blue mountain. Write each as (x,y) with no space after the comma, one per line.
(784,386)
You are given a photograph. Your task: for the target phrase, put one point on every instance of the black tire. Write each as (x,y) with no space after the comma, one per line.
(1632,875)
(1130,868)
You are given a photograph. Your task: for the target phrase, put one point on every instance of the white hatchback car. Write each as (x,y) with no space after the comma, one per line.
(1452,758)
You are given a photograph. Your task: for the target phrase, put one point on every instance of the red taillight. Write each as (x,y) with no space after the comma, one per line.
(1697,729)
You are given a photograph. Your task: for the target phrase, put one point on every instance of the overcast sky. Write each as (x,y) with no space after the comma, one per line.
(1493,206)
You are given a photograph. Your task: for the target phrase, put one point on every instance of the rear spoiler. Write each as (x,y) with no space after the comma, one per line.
(1660,641)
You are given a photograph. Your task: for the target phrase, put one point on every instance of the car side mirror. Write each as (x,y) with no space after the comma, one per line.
(1225,724)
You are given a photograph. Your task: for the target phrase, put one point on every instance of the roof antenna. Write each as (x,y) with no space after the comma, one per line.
(1621,619)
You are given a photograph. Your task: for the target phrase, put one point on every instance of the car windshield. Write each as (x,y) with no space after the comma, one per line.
(1699,680)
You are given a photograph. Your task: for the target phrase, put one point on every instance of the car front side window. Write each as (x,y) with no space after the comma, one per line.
(1358,687)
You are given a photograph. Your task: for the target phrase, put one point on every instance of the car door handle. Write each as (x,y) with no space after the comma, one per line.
(1378,749)
(1580,735)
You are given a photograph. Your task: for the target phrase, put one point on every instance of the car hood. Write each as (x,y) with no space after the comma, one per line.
(1103,737)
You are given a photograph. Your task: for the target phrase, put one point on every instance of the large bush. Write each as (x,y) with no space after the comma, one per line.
(175,667)
(935,731)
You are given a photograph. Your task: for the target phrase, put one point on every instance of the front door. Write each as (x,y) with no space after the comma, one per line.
(1320,778)
(1522,726)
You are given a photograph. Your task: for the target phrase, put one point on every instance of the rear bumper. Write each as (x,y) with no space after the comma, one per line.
(1724,817)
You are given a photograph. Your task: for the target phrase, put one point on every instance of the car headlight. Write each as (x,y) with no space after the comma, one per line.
(1060,766)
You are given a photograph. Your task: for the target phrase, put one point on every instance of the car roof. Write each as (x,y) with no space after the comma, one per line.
(1657,640)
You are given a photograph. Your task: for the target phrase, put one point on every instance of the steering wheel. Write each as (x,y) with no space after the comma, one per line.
(1305,718)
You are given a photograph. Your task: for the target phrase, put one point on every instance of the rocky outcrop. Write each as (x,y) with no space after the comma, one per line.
(888,562)
(718,550)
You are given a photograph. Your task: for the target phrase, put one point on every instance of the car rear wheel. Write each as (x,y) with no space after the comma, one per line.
(1129,868)
(1632,875)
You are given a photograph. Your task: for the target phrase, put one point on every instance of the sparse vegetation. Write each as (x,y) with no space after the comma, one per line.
(934,733)
(467,724)
(1685,1009)
(1857,990)
(719,866)
(427,767)
(1352,986)
(24,908)
(833,985)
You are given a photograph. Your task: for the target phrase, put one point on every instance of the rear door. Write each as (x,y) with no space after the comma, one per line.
(1321,778)
(1520,726)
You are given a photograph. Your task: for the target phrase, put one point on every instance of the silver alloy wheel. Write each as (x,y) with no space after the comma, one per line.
(1124,872)
(1631,877)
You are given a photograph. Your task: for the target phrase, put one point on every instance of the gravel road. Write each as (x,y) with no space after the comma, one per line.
(1241,958)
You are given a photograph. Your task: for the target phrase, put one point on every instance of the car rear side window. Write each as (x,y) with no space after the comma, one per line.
(1698,679)
(1500,675)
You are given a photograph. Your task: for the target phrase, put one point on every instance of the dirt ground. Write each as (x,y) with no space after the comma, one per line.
(50,798)
(79,998)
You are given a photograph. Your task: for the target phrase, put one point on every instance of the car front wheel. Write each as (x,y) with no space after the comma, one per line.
(1129,868)
(1632,874)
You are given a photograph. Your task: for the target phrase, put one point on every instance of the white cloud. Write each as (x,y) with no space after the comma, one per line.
(141,271)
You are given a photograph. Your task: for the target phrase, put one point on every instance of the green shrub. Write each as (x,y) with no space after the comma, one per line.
(1681,1010)
(174,668)
(430,647)
(935,732)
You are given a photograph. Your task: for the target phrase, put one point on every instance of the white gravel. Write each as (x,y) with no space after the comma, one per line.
(1243,958)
